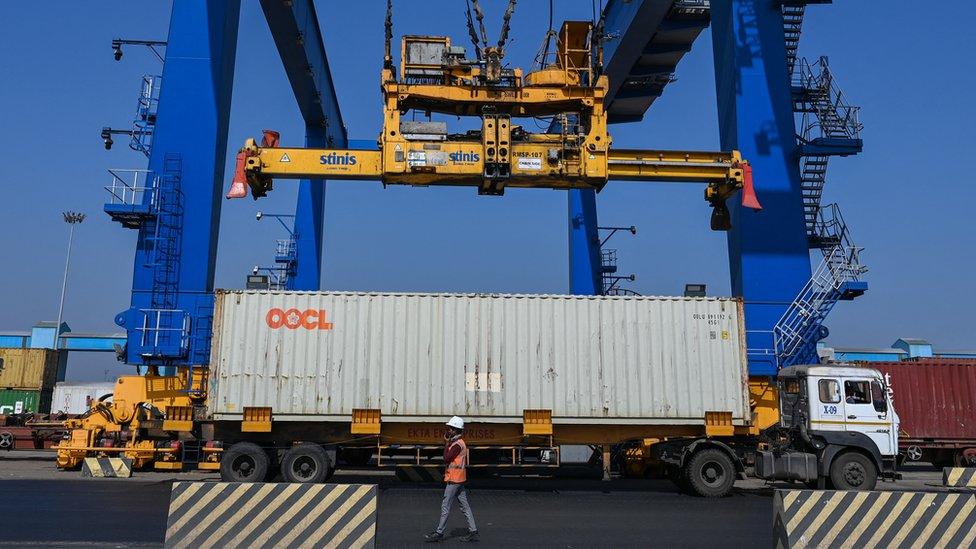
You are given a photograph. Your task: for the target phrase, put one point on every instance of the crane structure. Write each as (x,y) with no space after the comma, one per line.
(436,77)
(604,72)
(176,207)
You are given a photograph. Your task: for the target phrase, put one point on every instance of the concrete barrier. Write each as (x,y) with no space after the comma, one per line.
(809,518)
(235,514)
(959,477)
(106,468)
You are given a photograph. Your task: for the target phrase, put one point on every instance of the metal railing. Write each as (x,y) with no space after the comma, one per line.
(131,187)
(286,247)
(796,334)
(826,112)
(145,121)
(165,331)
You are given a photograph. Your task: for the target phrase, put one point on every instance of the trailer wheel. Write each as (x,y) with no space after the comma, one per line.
(244,462)
(306,463)
(710,473)
(853,471)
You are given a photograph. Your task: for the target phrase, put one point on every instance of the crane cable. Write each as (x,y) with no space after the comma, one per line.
(480,15)
(471,32)
(543,55)
(507,22)
(388,54)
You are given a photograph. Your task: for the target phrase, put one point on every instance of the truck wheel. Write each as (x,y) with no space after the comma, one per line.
(710,473)
(853,471)
(244,462)
(306,463)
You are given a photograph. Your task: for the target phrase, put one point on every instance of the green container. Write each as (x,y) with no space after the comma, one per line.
(17,401)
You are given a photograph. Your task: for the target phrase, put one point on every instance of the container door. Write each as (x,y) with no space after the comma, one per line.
(866,406)
(826,404)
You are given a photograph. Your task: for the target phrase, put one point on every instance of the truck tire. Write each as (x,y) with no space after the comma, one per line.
(306,463)
(709,473)
(244,462)
(853,471)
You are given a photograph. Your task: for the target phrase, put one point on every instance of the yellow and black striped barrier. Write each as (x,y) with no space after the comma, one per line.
(107,467)
(959,477)
(236,514)
(420,473)
(809,518)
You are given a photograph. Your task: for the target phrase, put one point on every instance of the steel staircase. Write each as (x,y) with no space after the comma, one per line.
(813,175)
(144,124)
(792,26)
(165,328)
(837,278)
(828,126)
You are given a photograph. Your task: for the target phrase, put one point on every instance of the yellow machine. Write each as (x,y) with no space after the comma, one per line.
(436,77)
(133,423)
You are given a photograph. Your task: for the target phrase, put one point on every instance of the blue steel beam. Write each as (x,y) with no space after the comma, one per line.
(768,256)
(189,150)
(645,41)
(92,342)
(585,276)
(584,244)
(295,28)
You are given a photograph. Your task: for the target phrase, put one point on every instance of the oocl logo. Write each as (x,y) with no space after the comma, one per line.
(293,319)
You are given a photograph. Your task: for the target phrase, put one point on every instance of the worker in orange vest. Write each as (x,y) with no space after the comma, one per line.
(455,475)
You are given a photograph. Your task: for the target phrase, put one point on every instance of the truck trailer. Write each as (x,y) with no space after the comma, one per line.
(936,400)
(297,380)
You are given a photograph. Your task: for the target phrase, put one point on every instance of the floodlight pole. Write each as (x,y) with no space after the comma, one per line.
(72,219)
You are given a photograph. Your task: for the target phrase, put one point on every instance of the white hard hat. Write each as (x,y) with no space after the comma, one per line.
(456,422)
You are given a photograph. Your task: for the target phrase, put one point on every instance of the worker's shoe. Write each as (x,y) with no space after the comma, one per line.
(434,537)
(470,536)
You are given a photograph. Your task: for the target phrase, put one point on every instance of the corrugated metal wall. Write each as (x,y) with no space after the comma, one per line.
(28,368)
(647,359)
(77,398)
(934,398)
(20,401)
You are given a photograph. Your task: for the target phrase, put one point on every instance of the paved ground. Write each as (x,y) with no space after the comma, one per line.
(40,505)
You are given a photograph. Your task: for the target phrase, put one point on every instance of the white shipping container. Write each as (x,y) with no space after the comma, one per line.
(77,398)
(418,357)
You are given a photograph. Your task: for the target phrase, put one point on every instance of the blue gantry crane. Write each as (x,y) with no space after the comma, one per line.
(788,117)
(764,93)
(175,204)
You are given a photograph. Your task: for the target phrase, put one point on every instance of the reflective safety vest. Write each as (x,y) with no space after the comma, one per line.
(455,472)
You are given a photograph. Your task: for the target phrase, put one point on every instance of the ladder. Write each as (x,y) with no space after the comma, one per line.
(837,277)
(144,124)
(792,26)
(165,326)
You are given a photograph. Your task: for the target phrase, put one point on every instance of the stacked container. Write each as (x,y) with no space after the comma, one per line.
(27,378)
(77,398)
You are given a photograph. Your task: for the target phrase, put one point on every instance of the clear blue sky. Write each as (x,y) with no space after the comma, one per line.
(907,197)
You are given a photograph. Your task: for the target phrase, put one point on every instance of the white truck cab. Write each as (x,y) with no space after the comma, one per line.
(837,428)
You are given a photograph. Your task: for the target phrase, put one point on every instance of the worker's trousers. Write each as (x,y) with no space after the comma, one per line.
(452,492)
